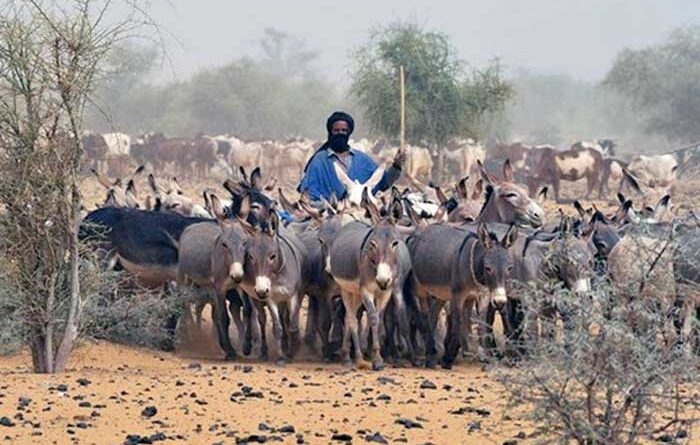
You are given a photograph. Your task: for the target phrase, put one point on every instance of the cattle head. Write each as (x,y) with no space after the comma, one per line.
(380,260)
(508,202)
(493,264)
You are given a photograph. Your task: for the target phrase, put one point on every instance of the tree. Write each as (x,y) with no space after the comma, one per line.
(51,58)
(442,101)
(662,82)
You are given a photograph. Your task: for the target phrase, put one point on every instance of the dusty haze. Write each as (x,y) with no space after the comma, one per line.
(579,38)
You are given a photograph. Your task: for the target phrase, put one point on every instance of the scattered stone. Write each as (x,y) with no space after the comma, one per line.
(681,434)
(665,438)
(408,423)
(253,438)
(386,380)
(82,425)
(427,384)
(376,438)
(149,411)
(474,426)
(247,369)
(264,427)
(179,383)
(83,382)
(158,437)
(6,422)
(288,429)
(510,442)
(195,366)
(383,397)
(520,435)
(62,388)
(341,437)
(85,404)
(24,401)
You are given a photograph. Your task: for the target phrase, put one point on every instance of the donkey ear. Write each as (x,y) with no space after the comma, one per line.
(440,194)
(244,175)
(375,178)
(256,179)
(478,190)
(368,205)
(217,208)
(621,198)
(412,215)
(579,209)
(274,223)
(270,185)
(662,206)
(315,213)
(542,195)
(510,237)
(342,176)
(486,176)
(139,170)
(507,171)
(629,177)
(244,209)
(462,188)
(564,225)
(233,187)
(396,210)
(286,203)
(104,182)
(484,235)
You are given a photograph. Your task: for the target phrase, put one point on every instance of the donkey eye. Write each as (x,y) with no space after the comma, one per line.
(395,244)
(224,245)
(511,195)
(488,270)
(273,256)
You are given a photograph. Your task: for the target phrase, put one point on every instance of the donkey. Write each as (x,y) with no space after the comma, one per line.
(459,266)
(370,263)
(507,202)
(276,274)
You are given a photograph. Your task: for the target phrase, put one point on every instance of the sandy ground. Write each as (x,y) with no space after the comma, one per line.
(206,401)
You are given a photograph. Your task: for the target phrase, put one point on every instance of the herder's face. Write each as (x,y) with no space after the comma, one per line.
(340,127)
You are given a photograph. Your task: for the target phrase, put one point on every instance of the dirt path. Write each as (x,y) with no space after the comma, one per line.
(207,402)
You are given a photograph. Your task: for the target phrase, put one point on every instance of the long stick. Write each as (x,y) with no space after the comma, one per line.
(403,108)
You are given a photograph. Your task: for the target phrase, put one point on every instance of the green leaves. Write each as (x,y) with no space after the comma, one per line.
(443,101)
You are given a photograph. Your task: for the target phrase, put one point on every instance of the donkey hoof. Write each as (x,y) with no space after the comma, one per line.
(362,365)
(247,348)
(230,357)
(447,364)
(281,362)
(378,365)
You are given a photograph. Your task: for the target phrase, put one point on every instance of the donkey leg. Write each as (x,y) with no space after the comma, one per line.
(235,304)
(294,316)
(222,322)
(323,326)
(373,315)
(428,334)
(248,314)
(262,323)
(338,325)
(312,320)
(277,331)
(401,310)
(454,325)
(352,328)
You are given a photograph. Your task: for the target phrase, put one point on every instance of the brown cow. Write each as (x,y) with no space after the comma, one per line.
(570,165)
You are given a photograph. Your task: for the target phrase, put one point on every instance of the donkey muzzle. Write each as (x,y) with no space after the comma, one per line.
(262,286)
(384,276)
(236,272)
(498,297)
(582,285)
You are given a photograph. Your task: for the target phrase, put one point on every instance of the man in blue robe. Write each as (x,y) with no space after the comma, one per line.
(320,179)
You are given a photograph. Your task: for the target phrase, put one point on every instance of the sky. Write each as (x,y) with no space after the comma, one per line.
(576,37)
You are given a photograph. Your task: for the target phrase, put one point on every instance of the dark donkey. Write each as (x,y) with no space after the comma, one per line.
(276,275)
(370,263)
(459,266)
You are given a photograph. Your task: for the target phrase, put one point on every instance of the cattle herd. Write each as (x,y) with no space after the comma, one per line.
(395,262)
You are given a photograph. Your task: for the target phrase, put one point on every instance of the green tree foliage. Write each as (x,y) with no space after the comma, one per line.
(442,100)
(662,81)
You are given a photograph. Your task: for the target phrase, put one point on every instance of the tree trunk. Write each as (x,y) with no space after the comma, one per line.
(76,306)
(441,165)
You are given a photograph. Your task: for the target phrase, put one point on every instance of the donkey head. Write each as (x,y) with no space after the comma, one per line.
(264,258)
(230,244)
(571,258)
(354,188)
(494,264)
(508,202)
(380,253)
